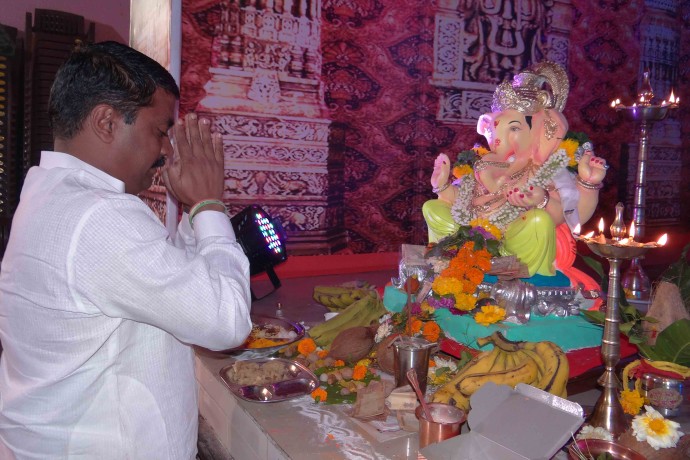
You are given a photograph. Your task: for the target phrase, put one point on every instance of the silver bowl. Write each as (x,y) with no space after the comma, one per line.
(244,352)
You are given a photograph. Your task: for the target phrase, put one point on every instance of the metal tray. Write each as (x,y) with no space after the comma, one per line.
(262,320)
(302,382)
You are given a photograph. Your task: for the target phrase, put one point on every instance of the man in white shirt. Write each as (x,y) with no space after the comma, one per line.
(99,307)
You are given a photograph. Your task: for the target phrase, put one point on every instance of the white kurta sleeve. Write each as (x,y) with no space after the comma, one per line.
(126,266)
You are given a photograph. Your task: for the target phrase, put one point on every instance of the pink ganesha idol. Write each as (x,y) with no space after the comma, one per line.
(523,186)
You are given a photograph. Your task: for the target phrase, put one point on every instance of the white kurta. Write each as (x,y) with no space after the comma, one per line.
(98,308)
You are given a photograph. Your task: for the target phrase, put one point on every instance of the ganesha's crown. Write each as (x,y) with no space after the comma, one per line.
(544,86)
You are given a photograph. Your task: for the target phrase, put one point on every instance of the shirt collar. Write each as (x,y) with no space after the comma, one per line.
(51,160)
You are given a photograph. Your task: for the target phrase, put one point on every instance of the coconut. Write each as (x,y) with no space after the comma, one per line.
(385,354)
(352,344)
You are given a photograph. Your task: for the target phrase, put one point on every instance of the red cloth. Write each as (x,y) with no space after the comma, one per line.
(647,368)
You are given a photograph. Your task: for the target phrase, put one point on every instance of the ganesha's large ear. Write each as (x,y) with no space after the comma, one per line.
(549,128)
(485,126)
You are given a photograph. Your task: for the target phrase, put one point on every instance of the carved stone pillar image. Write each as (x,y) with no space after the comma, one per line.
(265,98)
(479,44)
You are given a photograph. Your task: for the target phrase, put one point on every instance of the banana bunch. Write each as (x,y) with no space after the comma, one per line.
(360,313)
(337,298)
(540,364)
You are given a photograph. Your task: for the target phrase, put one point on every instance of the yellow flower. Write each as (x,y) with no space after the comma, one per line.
(359,372)
(366,362)
(426,308)
(570,146)
(655,429)
(444,285)
(465,302)
(486,225)
(319,395)
(490,314)
(306,346)
(632,401)
(462,170)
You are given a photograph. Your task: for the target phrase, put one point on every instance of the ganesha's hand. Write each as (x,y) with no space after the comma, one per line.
(592,169)
(441,174)
(528,198)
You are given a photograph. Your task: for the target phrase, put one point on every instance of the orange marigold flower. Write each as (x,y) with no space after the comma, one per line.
(306,346)
(475,275)
(431,331)
(359,372)
(481,151)
(468,287)
(632,401)
(319,395)
(339,363)
(322,354)
(462,170)
(432,363)
(415,325)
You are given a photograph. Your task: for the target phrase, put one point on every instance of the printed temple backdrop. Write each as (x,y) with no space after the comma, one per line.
(333,111)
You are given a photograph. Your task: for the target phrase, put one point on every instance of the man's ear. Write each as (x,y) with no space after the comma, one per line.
(102,120)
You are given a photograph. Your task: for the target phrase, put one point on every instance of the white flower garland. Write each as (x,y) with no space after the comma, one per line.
(506,213)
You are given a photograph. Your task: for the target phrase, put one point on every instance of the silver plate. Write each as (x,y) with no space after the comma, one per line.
(302,382)
(262,320)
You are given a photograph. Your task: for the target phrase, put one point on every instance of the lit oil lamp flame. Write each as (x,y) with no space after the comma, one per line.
(613,104)
(590,234)
(632,231)
(662,241)
(672,98)
(601,225)
(577,229)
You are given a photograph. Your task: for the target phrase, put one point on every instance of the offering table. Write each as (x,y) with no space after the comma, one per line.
(293,429)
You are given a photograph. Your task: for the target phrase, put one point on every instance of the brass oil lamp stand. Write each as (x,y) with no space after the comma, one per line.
(645,114)
(608,412)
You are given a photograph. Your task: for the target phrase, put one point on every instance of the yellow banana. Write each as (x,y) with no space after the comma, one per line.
(446,395)
(501,361)
(524,373)
(531,354)
(556,368)
(479,364)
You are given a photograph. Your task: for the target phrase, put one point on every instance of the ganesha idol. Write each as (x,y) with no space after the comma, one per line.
(522,185)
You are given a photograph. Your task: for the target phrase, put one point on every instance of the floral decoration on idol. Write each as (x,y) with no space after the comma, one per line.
(458,264)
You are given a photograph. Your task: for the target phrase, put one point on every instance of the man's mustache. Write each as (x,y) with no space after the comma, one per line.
(160,162)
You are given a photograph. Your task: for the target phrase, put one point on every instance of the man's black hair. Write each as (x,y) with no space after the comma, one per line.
(104,73)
